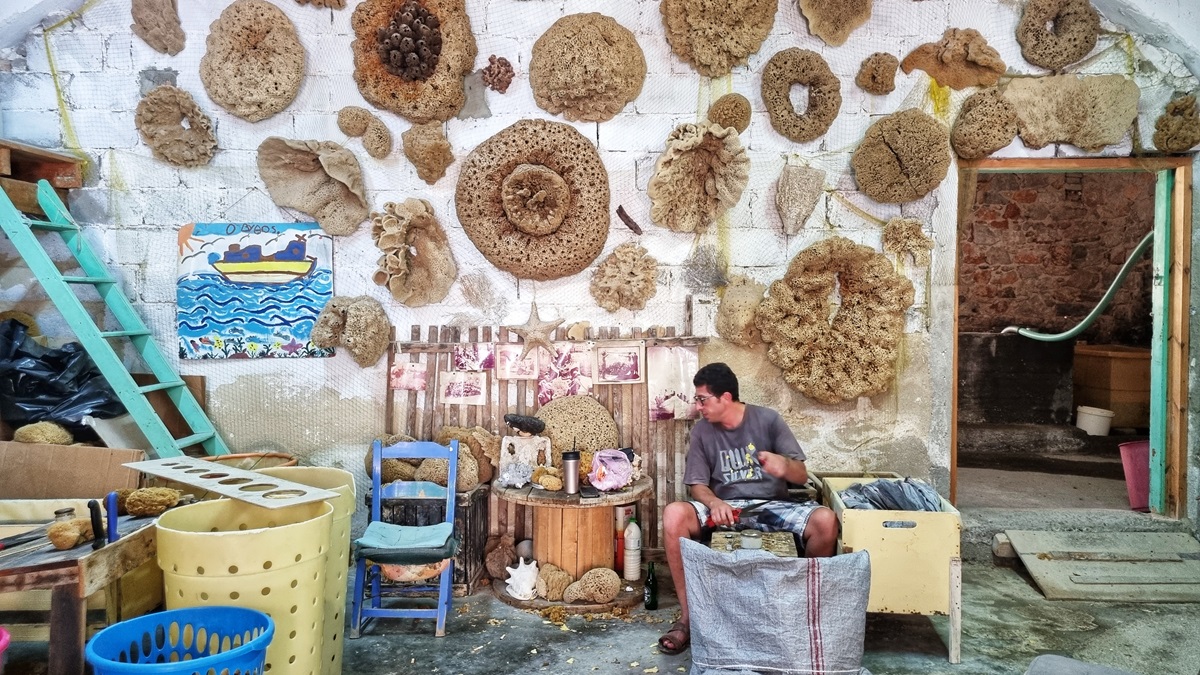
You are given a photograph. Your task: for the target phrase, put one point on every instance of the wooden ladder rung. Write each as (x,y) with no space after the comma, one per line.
(194,439)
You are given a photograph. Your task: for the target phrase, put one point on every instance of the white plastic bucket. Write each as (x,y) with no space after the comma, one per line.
(1095,421)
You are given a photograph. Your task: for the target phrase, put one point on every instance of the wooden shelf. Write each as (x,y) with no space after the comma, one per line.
(22,166)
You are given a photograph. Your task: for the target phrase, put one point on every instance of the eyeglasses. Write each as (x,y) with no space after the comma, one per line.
(701,398)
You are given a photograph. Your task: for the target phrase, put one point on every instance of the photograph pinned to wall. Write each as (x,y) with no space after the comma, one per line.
(510,365)
(251,290)
(464,388)
(569,372)
(474,356)
(411,376)
(621,362)
(669,388)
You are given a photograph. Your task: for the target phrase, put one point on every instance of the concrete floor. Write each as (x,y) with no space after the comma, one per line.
(997,488)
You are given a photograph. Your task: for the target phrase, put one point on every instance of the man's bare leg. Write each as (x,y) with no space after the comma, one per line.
(820,534)
(679,520)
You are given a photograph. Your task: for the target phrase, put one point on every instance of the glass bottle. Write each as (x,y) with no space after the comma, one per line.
(650,591)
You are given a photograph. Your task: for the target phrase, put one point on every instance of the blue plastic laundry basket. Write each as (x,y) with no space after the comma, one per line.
(189,641)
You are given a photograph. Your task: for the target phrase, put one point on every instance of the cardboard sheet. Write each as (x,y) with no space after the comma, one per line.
(38,471)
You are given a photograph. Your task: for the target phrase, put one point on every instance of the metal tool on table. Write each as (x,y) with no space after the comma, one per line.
(739,513)
(97,524)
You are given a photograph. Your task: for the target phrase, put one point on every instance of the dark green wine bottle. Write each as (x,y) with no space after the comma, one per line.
(650,591)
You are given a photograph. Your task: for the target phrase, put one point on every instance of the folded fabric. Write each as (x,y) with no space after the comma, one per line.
(892,495)
(405,544)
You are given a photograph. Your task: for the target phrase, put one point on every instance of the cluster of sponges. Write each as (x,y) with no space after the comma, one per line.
(1056,33)
(357,323)
(716,35)
(43,432)
(320,178)
(426,146)
(552,582)
(160,119)
(411,44)
(587,67)
(906,236)
(440,95)
(254,62)
(854,354)
(902,157)
(700,175)
(549,477)
(481,443)
(391,468)
(600,586)
(1178,128)
(358,121)
(801,66)
(627,278)
(438,471)
(417,265)
(962,59)
(579,422)
(534,200)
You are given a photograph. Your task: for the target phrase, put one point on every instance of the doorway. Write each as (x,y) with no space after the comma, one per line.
(1040,241)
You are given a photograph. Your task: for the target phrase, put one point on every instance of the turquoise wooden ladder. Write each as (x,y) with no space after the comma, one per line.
(21,231)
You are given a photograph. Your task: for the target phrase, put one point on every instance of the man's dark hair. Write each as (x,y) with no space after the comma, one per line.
(719,378)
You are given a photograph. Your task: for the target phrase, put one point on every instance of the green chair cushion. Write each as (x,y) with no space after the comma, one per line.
(407,545)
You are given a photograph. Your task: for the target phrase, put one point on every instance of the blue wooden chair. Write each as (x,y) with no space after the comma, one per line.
(388,544)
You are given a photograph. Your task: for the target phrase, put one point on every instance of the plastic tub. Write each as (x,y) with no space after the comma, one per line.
(1095,421)
(197,640)
(1135,458)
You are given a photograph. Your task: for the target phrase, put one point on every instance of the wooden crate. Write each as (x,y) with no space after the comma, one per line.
(1114,378)
(470,524)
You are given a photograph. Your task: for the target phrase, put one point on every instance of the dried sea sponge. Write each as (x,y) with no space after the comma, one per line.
(320,178)
(731,110)
(700,175)
(254,62)
(854,354)
(534,200)
(902,157)
(834,20)
(587,67)
(438,471)
(600,585)
(469,440)
(962,59)
(157,23)
(438,97)
(735,315)
(907,235)
(331,4)
(151,501)
(498,74)
(877,74)
(579,421)
(353,120)
(801,66)
(70,533)
(986,123)
(552,580)
(393,468)
(1054,34)
(357,323)
(32,329)
(627,278)
(716,35)
(1089,112)
(550,482)
(417,265)
(50,433)
(160,120)
(797,192)
(1178,128)
(425,145)
(410,46)
(499,553)
(377,139)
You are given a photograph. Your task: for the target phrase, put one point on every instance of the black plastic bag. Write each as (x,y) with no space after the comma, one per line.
(38,384)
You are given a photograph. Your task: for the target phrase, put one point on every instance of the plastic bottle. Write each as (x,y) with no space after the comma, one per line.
(650,591)
(633,551)
(623,514)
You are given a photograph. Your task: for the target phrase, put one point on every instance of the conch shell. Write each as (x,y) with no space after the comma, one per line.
(522,580)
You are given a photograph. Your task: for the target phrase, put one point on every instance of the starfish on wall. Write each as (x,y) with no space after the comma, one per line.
(535,332)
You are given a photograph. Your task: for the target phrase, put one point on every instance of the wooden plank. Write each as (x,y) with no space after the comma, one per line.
(23,151)
(955,655)
(1134,578)
(585,551)
(1178,345)
(59,175)
(68,624)
(433,403)
(389,401)
(5,162)
(569,542)
(553,531)
(23,195)
(1073,164)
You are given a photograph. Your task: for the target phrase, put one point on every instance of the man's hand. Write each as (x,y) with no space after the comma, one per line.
(773,464)
(720,513)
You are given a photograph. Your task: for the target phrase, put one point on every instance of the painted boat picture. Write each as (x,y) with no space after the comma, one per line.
(249,265)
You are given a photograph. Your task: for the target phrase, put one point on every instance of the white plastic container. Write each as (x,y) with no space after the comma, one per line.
(1095,421)
(633,551)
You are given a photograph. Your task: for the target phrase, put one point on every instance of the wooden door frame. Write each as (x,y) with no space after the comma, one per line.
(1174,459)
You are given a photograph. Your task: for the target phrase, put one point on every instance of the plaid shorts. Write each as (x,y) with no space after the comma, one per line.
(774,516)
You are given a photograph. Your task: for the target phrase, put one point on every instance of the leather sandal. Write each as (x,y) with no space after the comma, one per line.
(676,639)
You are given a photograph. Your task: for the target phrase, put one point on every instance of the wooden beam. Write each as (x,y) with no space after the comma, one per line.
(58,174)
(23,195)
(1178,345)
(1074,164)
(5,162)
(34,152)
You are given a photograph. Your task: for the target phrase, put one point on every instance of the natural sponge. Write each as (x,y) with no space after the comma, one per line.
(254,63)
(471,440)
(735,315)
(877,74)
(962,59)
(599,586)
(437,471)
(700,175)
(552,581)
(902,157)
(151,501)
(425,145)
(157,23)
(906,236)
(1056,33)
(852,355)
(626,278)
(587,67)
(411,44)
(43,432)
(357,323)
(801,66)
(377,139)
(70,533)
(1178,128)
(175,128)
(435,93)
(417,265)
(534,200)
(392,469)
(834,20)
(731,110)
(498,74)
(1088,112)
(986,123)
(320,178)
(716,35)
(353,120)
(580,422)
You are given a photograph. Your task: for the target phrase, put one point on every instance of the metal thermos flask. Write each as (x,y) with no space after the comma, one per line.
(570,467)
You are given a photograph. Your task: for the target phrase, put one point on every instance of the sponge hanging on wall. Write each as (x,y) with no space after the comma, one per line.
(357,323)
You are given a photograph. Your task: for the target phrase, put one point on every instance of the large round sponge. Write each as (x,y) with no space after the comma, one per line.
(801,66)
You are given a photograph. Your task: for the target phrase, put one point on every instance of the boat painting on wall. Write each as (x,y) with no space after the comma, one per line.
(252,290)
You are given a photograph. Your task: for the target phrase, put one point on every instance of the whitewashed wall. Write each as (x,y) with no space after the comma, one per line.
(326,410)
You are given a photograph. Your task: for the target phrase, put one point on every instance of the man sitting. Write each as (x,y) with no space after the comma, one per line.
(740,456)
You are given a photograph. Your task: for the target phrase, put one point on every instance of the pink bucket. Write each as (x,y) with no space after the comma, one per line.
(1135,458)
(4,638)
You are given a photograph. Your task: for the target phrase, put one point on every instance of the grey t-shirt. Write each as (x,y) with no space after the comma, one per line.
(724,459)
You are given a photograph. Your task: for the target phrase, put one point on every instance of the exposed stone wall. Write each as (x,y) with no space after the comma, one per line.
(1040,250)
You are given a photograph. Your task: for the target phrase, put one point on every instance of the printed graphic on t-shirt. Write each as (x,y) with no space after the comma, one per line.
(739,465)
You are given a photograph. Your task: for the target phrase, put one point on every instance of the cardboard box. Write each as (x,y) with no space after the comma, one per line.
(37,471)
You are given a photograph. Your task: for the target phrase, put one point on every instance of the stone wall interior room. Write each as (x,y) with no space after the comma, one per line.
(599,336)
